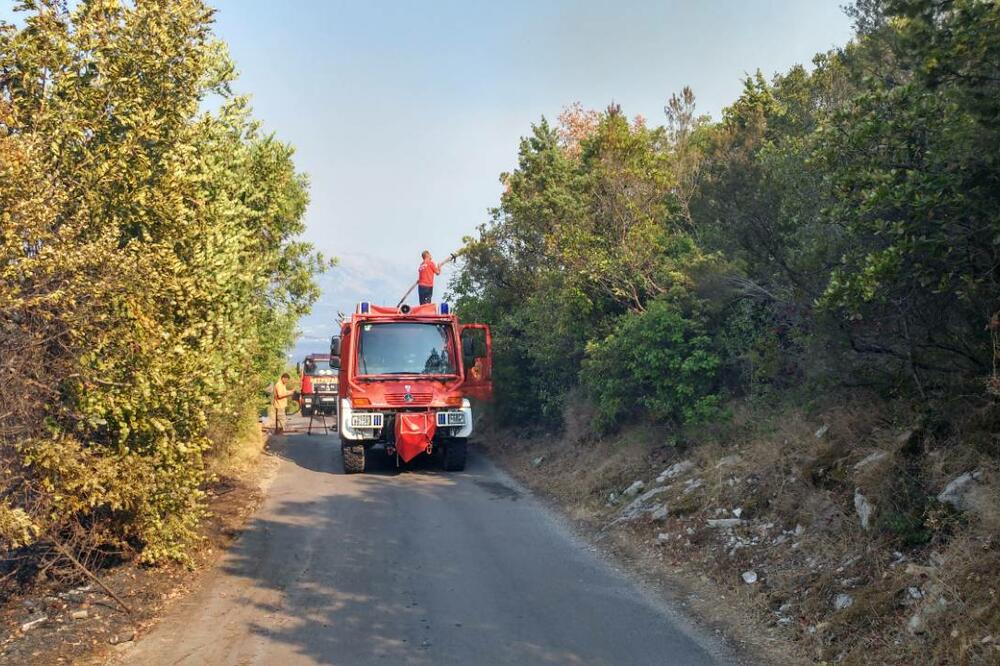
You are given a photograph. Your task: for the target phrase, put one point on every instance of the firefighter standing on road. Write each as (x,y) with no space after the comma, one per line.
(425,281)
(279,401)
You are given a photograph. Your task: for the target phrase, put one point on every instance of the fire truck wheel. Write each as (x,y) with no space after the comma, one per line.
(454,455)
(354,458)
(307,411)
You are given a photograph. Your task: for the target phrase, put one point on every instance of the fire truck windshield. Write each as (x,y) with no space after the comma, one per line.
(310,367)
(405,348)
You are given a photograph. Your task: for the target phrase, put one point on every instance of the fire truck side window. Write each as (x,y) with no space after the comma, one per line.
(473,346)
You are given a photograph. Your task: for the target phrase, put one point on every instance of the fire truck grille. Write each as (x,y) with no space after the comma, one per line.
(399,399)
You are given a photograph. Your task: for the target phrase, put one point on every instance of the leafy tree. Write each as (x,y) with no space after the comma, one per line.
(836,225)
(154,274)
(589,228)
(913,164)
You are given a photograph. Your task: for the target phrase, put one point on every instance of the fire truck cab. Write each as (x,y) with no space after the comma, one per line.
(407,380)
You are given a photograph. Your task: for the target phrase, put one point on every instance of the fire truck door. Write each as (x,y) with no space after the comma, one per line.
(477,358)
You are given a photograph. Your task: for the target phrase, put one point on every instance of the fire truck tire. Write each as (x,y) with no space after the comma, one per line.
(454,455)
(307,411)
(354,458)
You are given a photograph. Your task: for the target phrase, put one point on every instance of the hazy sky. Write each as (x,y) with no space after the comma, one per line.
(405,113)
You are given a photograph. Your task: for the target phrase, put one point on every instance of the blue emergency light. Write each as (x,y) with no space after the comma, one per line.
(445,309)
(363,307)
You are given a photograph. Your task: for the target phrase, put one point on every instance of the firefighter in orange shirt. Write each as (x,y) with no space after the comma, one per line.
(279,401)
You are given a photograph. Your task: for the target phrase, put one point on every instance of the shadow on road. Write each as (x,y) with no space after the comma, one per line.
(418,566)
(289,447)
(351,590)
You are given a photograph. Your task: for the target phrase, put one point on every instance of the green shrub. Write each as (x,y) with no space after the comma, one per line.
(660,362)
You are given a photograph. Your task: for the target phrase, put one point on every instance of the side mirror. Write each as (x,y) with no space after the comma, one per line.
(335,352)
(298,369)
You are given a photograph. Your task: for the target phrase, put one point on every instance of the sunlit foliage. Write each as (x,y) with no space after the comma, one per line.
(151,276)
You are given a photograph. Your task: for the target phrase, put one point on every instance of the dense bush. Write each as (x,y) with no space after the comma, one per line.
(151,276)
(659,362)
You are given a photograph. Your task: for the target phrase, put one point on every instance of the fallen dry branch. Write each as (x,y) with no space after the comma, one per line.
(62,550)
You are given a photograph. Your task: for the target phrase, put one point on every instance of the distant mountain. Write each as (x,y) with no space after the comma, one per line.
(356,278)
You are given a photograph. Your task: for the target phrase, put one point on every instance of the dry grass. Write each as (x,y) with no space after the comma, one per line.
(802,536)
(238,445)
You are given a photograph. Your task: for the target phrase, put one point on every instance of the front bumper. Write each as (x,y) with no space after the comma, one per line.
(322,400)
(371,423)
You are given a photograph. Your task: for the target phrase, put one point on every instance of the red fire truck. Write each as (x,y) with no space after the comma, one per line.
(318,392)
(406,379)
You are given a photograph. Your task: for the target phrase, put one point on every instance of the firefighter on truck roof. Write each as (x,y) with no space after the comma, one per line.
(425,280)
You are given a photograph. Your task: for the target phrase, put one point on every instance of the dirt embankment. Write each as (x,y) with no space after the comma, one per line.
(66,618)
(852,534)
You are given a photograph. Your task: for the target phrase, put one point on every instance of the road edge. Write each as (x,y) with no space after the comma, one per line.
(663,595)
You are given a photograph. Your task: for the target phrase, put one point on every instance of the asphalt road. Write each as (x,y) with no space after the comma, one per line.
(418,567)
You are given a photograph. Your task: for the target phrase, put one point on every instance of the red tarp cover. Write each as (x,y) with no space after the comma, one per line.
(414,432)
